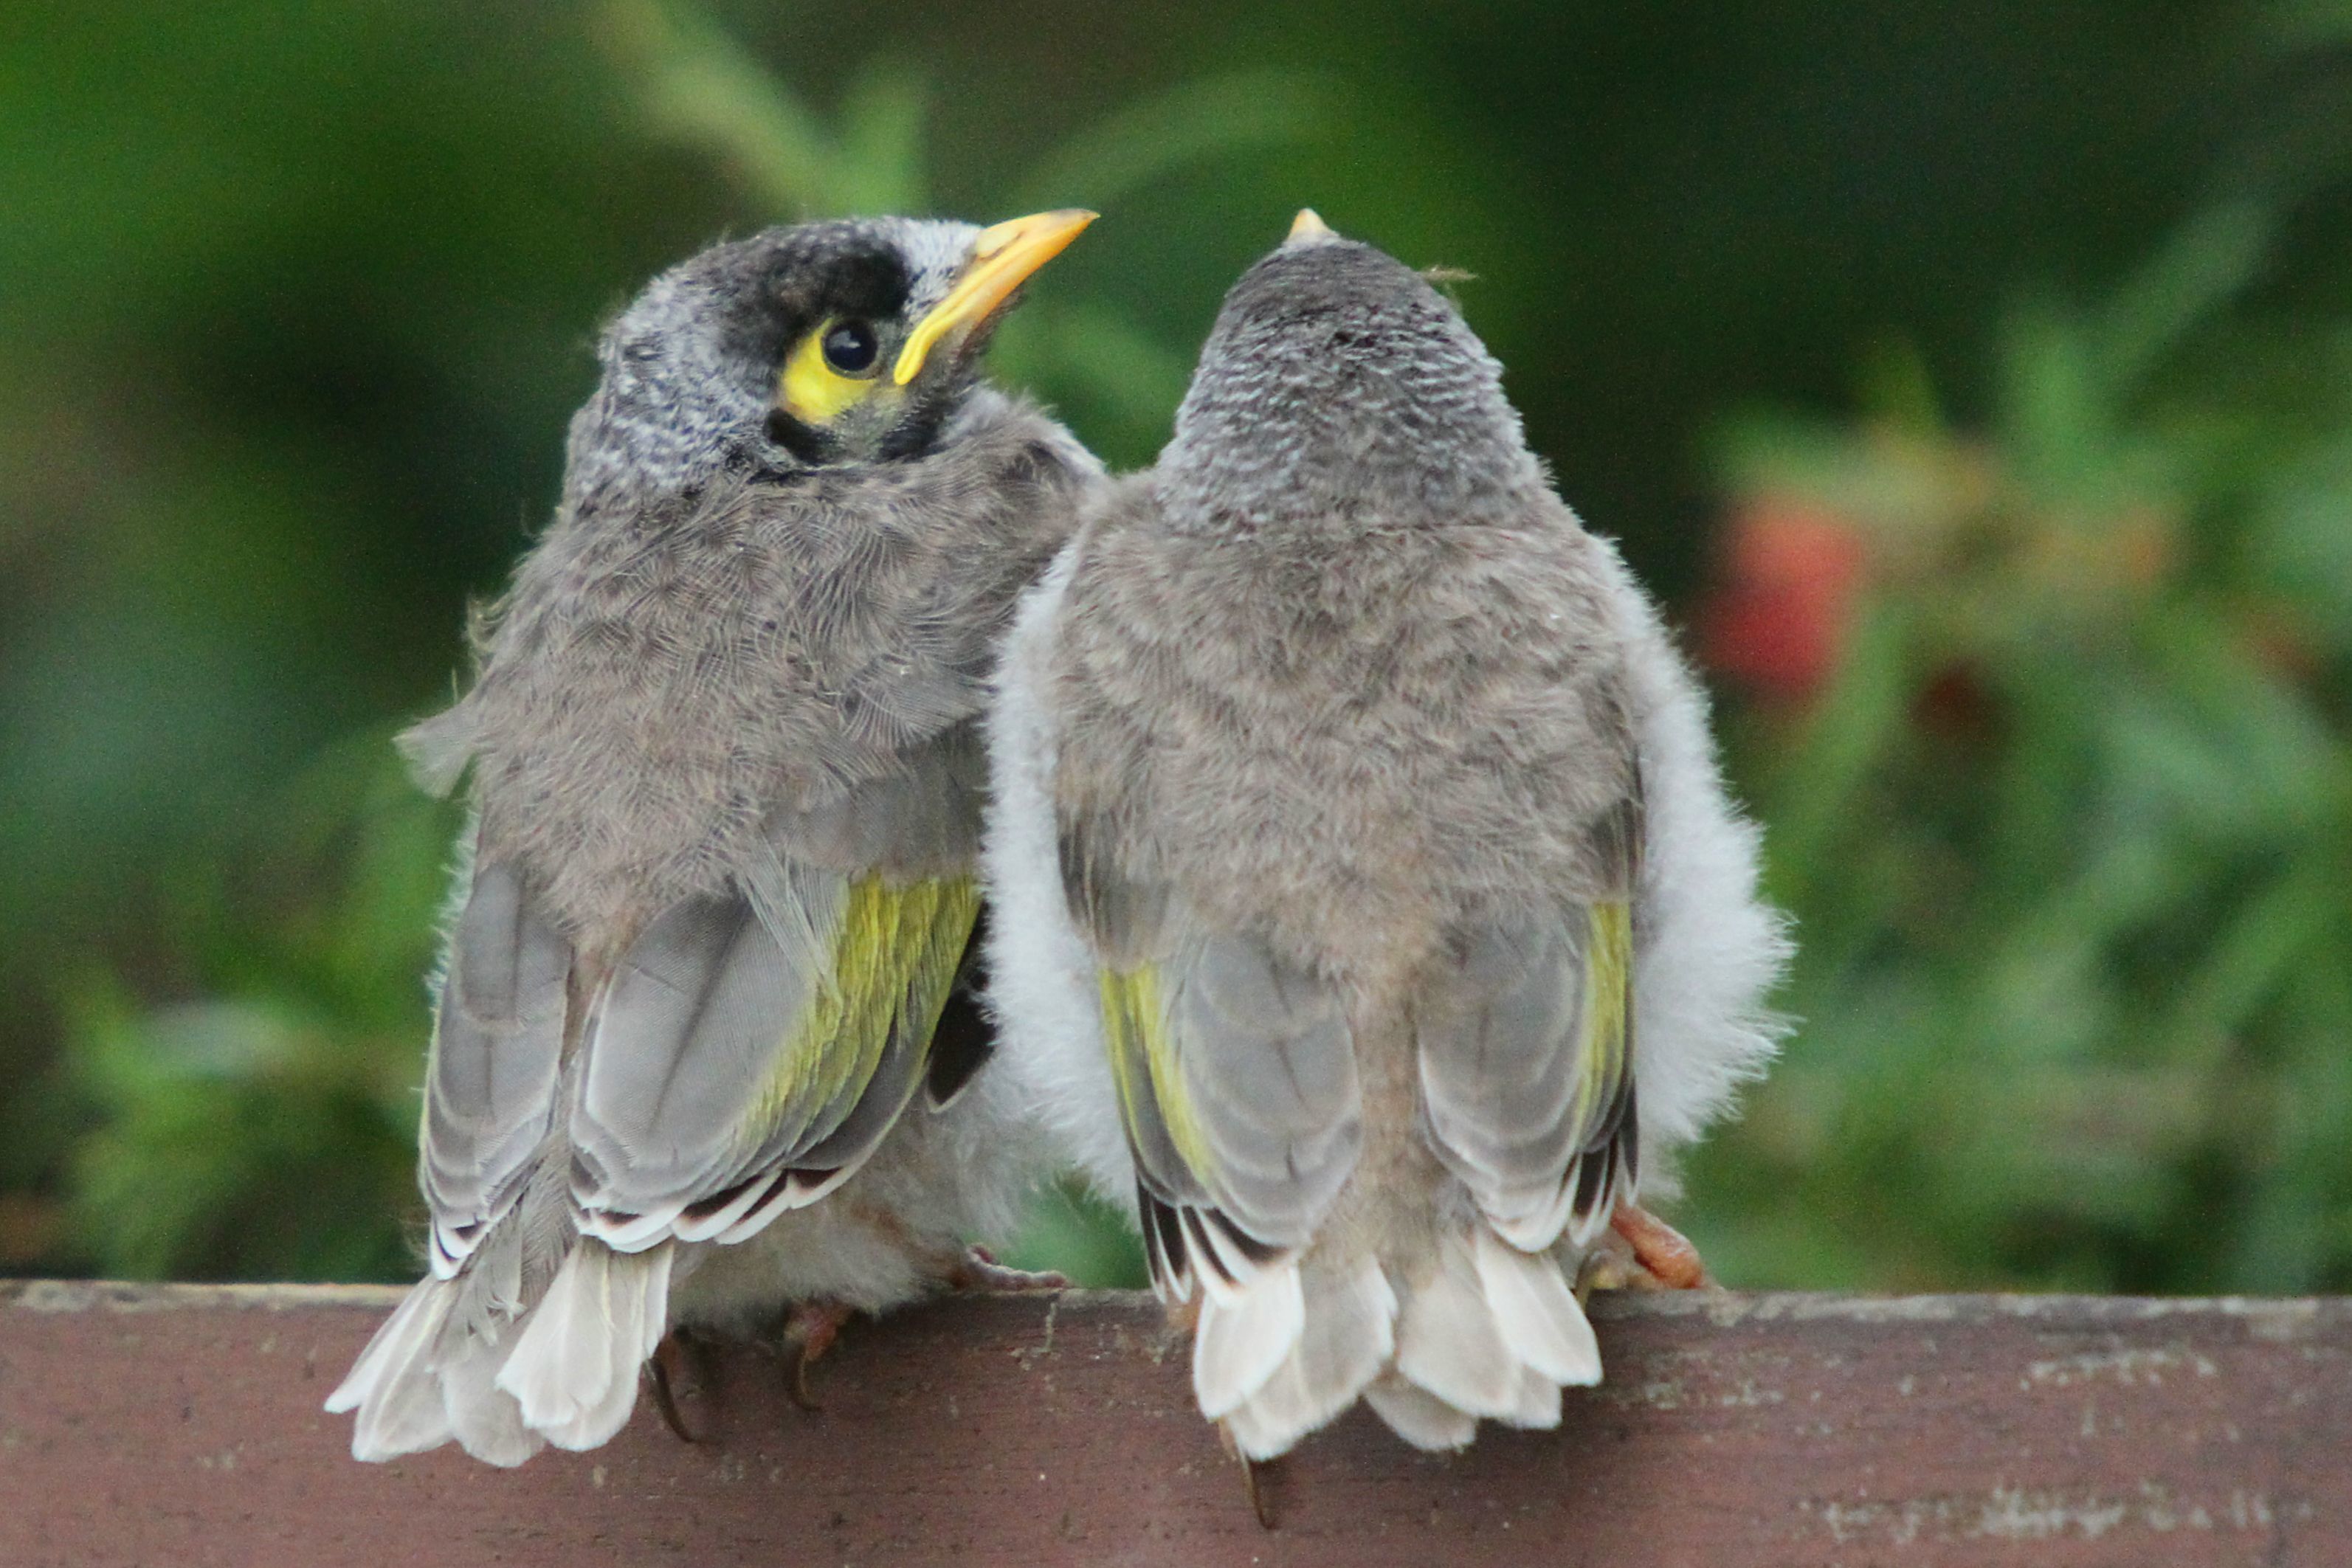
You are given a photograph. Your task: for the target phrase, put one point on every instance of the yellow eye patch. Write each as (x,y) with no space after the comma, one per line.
(811,391)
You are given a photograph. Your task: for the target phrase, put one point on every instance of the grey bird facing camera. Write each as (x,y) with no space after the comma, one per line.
(727,782)
(1369,906)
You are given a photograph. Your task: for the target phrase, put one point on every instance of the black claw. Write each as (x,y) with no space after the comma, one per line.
(797,1384)
(665,1399)
(808,1333)
(1260,1503)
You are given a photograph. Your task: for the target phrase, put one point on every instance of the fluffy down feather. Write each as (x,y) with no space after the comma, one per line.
(1042,985)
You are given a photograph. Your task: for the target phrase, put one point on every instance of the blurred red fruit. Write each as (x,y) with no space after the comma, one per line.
(1791,574)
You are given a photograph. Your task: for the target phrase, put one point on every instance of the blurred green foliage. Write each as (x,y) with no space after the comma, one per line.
(267,1127)
(2068,822)
(2034,652)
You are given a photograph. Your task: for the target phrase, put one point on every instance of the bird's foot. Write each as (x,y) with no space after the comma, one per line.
(1664,1253)
(978,1271)
(670,1367)
(810,1329)
(1639,1251)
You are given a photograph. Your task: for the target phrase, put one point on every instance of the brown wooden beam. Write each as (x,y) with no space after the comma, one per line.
(178,1426)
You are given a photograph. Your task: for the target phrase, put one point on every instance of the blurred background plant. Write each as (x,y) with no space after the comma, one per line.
(1976,384)
(2049,724)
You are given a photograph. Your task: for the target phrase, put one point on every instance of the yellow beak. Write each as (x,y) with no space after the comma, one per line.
(1002,257)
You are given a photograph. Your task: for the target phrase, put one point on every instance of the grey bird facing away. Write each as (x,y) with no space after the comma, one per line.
(1368,904)
(726,779)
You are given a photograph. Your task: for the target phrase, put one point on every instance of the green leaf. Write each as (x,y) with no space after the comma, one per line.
(698,87)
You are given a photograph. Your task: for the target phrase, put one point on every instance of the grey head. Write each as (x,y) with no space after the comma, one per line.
(1338,387)
(820,344)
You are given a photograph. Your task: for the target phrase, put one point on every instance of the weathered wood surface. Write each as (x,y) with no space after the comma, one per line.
(177,1426)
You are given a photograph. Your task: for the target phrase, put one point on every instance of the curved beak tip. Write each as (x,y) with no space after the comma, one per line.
(1003,256)
(1308,228)
(1058,227)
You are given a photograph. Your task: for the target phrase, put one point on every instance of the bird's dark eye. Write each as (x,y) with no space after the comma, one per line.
(850,347)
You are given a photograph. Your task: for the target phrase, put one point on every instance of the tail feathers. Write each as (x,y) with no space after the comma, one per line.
(1538,1407)
(393,1385)
(1448,1341)
(449,1364)
(425,1380)
(1349,1335)
(1244,1337)
(1488,1332)
(485,1419)
(1493,1332)
(573,1371)
(1419,1417)
(1536,1312)
(398,1341)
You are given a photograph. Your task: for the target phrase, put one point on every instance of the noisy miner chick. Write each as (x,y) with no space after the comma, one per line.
(727,782)
(1366,896)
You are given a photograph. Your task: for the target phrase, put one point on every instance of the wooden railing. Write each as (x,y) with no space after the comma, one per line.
(178,1426)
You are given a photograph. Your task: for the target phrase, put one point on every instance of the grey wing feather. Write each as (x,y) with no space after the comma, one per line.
(498,1044)
(1269,1068)
(715,1093)
(1499,1070)
(1124,918)
(1526,1056)
(686,1037)
(1246,1118)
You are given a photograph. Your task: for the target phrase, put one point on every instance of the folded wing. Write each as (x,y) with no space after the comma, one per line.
(1526,1056)
(1235,1074)
(498,1044)
(746,1060)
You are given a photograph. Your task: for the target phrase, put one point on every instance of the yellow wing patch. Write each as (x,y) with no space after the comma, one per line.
(1607,982)
(1150,1080)
(893,961)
